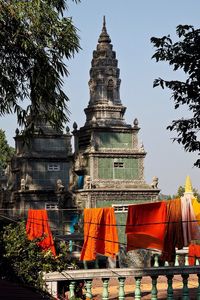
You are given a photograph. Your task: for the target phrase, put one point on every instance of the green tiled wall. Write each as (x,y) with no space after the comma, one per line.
(106,169)
(41,176)
(120,219)
(115,140)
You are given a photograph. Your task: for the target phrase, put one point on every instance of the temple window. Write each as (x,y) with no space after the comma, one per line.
(51,206)
(53,167)
(118,164)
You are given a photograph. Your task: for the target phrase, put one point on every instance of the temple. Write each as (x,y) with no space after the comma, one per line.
(109,162)
(107,166)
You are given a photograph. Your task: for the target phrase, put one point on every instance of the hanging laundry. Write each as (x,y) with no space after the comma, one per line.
(37,226)
(145,226)
(100,233)
(174,231)
(193,253)
(191,229)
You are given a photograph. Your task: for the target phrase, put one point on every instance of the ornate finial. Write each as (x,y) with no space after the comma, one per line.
(104,37)
(135,122)
(67,129)
(188,185)
(17,131)
(104,22)
(75,126)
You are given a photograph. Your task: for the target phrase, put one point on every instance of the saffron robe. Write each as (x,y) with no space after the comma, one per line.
(145,226)
(37,226)
(100,233)
(193,253)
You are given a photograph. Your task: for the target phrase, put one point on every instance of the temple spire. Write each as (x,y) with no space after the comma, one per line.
(105,105)
(104,37)
(104,23)
(188,186)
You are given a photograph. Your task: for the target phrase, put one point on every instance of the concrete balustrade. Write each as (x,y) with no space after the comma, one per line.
(71,277)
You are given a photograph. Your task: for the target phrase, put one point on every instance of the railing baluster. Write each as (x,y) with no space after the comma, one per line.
(88,286)
(198,289)
(185,295)
(170,292)
(121,288)
(154,291)
(137,288)
(72,288)
(156,262)
(105,293)
(73,277)
(176,260)
(186,260)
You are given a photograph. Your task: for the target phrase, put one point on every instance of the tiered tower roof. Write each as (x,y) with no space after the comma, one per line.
(105,107)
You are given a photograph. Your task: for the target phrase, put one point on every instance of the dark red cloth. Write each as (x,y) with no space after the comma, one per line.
(174,231)
(37,226)
(145,226)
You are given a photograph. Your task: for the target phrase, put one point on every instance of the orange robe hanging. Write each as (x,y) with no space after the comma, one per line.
(145,226)
(37,226)
(100,233)
(193,253)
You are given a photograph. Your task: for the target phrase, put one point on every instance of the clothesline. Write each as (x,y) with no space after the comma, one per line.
(120,243)
(171,227)
(118,225)
(53,209)
(162,225)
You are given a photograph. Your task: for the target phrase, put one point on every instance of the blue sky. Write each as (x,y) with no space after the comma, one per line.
(130,25)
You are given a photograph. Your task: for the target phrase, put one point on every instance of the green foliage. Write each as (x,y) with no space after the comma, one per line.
(22,260)
(196,194)
(183,55)
(6,151)
(35,38)
(181,191)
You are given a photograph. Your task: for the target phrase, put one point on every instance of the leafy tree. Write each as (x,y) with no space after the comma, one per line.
(35,39)
(23,261)
(196,194)
(181,191)
(184,55)
(6,151)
